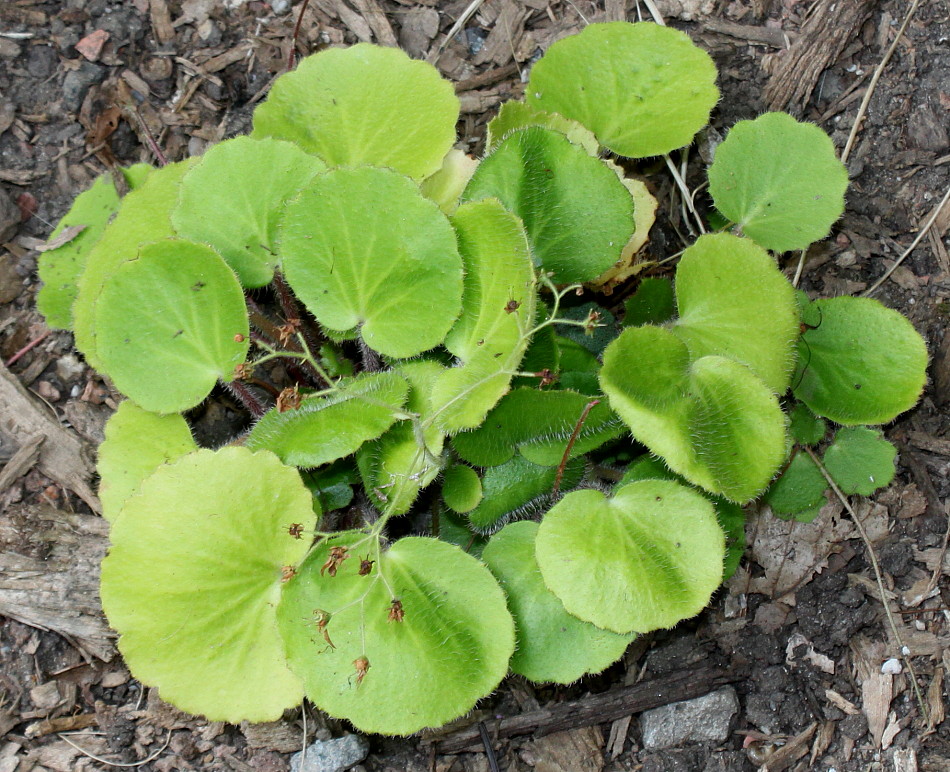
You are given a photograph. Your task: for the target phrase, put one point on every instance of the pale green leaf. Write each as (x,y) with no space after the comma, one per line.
(193,578)
(144,217)
(461,488)
(60,268)
(779,180)
(363,248)
(643,89)
(734,302)
(171,322)
(646,558)
(324,429)
(713,421)
(446,185)
(519,115)
(498,310)
(450,649)
(862,364)
(406,458)
(364,105)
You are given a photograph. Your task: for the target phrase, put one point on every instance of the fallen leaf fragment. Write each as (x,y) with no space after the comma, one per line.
(68,234)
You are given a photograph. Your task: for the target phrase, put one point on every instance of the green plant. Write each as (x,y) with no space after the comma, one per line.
(420,322)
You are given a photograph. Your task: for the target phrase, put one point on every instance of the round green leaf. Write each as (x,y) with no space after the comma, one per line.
(461,488)
(364,105)
(170,322)
(860,460)
(60,268)
(137,443)
(779,180)
(577,213)
(450,649)
(363,248)
(713,421)
(552,645)
(144,217)
(643,89)
(730,516)
(734,302)
(646,558)
(324,429)
(862,364)
(538,424)
(801,488)
(234,197)
(193,579)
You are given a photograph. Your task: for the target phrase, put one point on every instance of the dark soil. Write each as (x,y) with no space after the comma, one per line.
(804,652)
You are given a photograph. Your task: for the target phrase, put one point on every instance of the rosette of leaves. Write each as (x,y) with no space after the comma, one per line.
(387,287)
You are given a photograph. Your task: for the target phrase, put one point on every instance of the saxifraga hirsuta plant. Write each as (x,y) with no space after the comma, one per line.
(419,350)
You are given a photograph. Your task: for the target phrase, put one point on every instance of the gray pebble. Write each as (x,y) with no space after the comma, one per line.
(705,719)
(332,755)
(77,83)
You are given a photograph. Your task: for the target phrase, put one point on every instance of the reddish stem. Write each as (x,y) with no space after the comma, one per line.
(570,444)
(29,346)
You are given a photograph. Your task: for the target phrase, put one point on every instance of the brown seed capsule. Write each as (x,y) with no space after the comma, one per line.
(295,530)
(362,665)
(238,338)
(286,331)
(396,613)
(334,561)
(511,306)
(366,566)
(287,573)
(288,399)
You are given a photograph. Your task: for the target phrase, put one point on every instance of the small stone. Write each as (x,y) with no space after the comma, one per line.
(78,82)
(704,719)
(280,7)
(332,755)
(892,666)
(47,391)
(68,367)
(91,45)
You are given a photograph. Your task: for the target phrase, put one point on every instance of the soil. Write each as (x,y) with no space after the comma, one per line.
(800,630)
